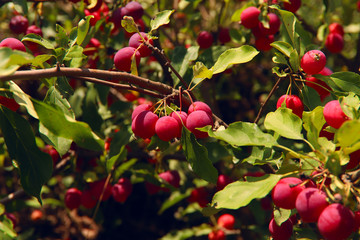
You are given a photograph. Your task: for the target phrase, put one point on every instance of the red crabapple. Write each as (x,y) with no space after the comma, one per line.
(318,85)
(217,235)
(198,119)
(285,192)
(118,15)
(292,5)
(92,47)
(336,28)
(204,39)
(121,190)
(326,134)
(180,117)
(226,221)
(195,106)
(135,10)
(73,198)
(135,41)
(97,188)
(123,58)
(224,35)
(334,42)
(222,182)
(172,177)
(18,24)
(140,108)
(357,221)
(274,25)
(10,103)
(199,195)
(293,102)
(310,203)
(87,199)
(354,160)
(250,17)
(34,29)
(282,232)
(336,222)
(143,125)
(263,43)
(167,128)
(13,43)
(313,62)
(333,114)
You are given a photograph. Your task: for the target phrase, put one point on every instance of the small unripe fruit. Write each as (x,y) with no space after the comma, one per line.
(250,17)
(226,221)
(334,42)
(135,41)
(140,108)
(199,106)
(135,10)
(123,58)
(282,232)
(204,39)
(292,5)
(336,28)
(198,119)
(313,62)
(143,125)
(13,43)
(336,222)
(217,235)
(73,198)
(167,128)
(310,203)
(333,114)
(293,102)
(285,192)
(122,190)
(19,24)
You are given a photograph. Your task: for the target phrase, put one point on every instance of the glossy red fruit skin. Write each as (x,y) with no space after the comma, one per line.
(34,29)
(222,182)
(172,177)
(122,59)
(143,125)
(274,25)
(167,128)
(217,235)
(180,117)
(18,24)
(135,41)
(282,232)
(336,28)
(263,43)
(226,221)
(293,5)
(13,43)
(334,42)
(336,222)
(10,103)
(285,192)
(118,15)
(87,199)
(224,35)
(313,62)
(293,102)
(199,195)
(73,198)
(354,160)
(334,115)
(310,203)
(198,119)
(135,10)
(97,187)
(122,190)
(205,39)
(250,17)
(320,86)
(140,108)
(198,105)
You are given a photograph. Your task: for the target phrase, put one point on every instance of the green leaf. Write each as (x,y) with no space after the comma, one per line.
(64,126)
(348,133)
(240,193)
(22,4)
(281,215)
(39,40)
(7,231)
(113,161)
(311,97)
(39,60)
(75,56)
(285,123)
(62,37)
(232,56)
(23,99)
(262,155)
(346,82)
(161,18)
(276,70)
(244,134)
(129,24)
(83,28)
(313,123)
(294,60)
(284,47)
(197,156)
(289,21)
(35,166)
(192,54)
(124,166)
(174,198)
(11,60)
(201,71)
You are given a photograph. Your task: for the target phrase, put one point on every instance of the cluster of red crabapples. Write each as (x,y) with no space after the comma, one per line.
(146,124)
(334,220)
